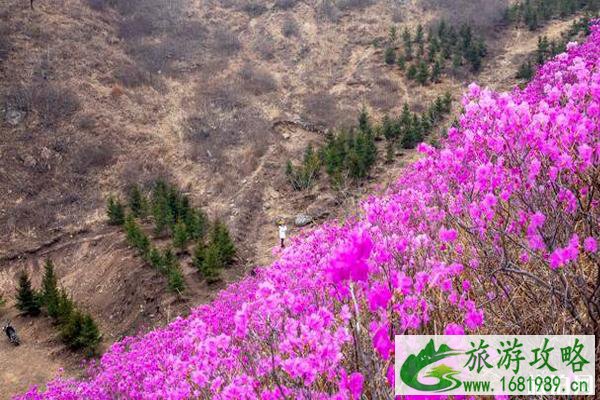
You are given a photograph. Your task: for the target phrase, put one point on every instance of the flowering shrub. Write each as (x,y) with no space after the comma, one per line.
(507,211)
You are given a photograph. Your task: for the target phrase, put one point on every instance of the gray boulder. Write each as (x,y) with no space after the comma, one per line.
(302,220)
(14,117)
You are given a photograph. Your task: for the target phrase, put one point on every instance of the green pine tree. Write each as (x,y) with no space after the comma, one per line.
(389,152)
(155,259)
(387,127)
(406,38)
(175,280)
(180,235)
(137,202)
(211,263)
(436,72)
(364,121)
(543,49)
(65,308)
(525,71)
(196,223)
(457,61)
(447,102)
(221,239)
(50,294)
(199,253)
(115,211)
(28,300)
(136,237)
(169,259)
(422,73)
(419,34)
(160,207)
(71,329)
(89,335)
(401,62)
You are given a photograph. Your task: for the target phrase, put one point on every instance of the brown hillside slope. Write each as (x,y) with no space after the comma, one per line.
(217,101)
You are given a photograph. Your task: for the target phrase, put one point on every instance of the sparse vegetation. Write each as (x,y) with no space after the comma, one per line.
(482,15)
(442,44)
(350,153)
(535,13)
(253,8)
(226,42)
(257,81)
(216,253)
(290,27)
(28,300)
(285,4)
(78,330)
(547,48)
(172,213)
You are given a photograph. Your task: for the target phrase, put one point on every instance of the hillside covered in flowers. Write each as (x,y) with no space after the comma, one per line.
(495,232)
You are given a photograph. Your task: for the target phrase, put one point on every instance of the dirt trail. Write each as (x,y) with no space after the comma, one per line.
(38,359)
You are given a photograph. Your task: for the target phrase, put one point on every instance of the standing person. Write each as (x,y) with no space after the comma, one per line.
(282,233)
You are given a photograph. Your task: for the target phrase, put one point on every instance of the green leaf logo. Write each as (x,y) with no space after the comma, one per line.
(413,365)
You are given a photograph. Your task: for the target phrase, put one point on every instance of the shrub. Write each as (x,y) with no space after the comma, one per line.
(257,81)
(18,98)
(328,10)
(28,300)
(304,176)
(136,26)
(91,155)
(253,8)
(481,14)
(289,27)
(226,42)
(53,103)
(346,5)
(132,76)
(525,71)
(285,4)
(97,5)
(321,108)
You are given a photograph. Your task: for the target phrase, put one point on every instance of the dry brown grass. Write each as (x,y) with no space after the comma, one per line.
(167,123)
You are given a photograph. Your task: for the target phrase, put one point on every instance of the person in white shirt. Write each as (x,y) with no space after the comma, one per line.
(282,233)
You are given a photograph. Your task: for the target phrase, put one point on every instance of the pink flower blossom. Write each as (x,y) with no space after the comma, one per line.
(590,245)
(447,235)
(454,329)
